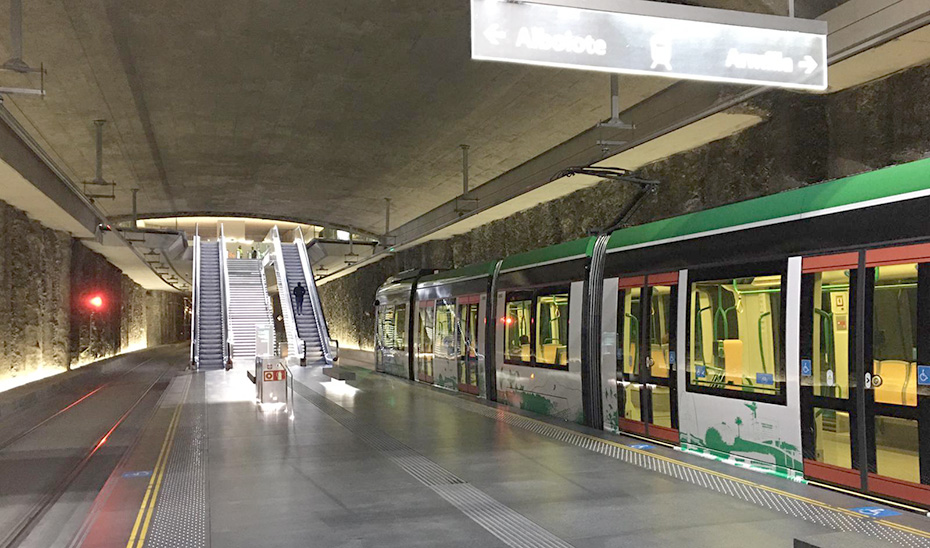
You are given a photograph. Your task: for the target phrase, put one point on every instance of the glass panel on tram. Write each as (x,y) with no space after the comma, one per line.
(628,341)
(660,353)
(832,438)
(517,331)
(426,323)
(831,321)
(468,345)
(897,448)
(444,344)
(552,329)
(894,371)
(894,334)
(735,342)
(400,327)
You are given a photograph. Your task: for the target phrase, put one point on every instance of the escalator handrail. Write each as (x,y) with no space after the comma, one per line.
(195,302)
(284,293)
(224,297)
(318,316)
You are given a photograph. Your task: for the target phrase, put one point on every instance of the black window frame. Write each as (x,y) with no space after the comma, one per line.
(768,268)
(533,296)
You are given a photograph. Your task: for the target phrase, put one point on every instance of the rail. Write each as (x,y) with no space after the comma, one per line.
(228,341)
(289,389)
(295,346)
(269,310)
(318,315)
(195,302)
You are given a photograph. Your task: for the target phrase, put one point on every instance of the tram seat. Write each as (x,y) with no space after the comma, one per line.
(733,360)
(552,353)
(899,382)
(659,361)
(525,352)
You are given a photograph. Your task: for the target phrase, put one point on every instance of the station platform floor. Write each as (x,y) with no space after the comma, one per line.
(385,462)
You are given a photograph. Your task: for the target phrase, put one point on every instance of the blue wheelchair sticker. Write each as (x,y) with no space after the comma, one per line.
(138,474)
(700,371)
(641,446)
(807,368)
(671,357)
(923,374)
(765,378)
(875,512)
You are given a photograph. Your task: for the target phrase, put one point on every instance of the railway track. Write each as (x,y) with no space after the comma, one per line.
(21,527)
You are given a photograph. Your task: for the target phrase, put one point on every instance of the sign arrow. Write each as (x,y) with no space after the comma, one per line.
(495,35)
(808,64)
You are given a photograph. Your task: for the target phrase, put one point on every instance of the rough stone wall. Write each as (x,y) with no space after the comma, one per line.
(34,288)
(46,322)
(804,139)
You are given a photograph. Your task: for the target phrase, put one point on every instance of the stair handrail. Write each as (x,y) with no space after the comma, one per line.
(318,315)
(228,341)
(294,344)
(195,302)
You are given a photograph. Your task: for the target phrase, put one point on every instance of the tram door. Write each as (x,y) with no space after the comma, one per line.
(647,389)
(865,397)
(468,344)
(426,319)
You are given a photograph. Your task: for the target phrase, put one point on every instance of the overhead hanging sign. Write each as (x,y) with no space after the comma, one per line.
(649,38)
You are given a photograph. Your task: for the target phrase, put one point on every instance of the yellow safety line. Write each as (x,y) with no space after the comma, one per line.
(155,482)
(846,511)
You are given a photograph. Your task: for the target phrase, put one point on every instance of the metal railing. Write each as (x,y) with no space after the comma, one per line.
(195,302)
(269,309)
(318,315)
(294,345)
(228,341)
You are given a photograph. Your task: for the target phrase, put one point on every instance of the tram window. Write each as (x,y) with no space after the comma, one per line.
(517,330)
(468,330)
(832,437)
(628,321)
(735,335)
(897,448)
(426,329)
(894,334)
(386,326)
(552,329)
(445,343)
(831,331)
(400,327)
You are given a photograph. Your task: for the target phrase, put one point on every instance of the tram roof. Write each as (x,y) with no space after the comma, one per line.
(555,253)
(465,272)
(873,188)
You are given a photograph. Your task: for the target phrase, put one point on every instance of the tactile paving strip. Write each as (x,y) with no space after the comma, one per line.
(512,528)
(180,517)
(799,508)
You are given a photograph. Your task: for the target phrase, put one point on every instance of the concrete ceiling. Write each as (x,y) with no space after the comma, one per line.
(312,111)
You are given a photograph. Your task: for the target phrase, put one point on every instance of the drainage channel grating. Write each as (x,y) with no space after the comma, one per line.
(512,528)
(797,508)
(180,518)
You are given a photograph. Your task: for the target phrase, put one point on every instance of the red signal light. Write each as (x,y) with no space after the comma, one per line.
(95,302)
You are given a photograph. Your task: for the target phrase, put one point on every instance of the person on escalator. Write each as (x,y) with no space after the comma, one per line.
(299,293)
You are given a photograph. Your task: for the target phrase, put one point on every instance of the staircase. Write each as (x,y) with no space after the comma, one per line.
(249,306)
(210,317)
(306,322)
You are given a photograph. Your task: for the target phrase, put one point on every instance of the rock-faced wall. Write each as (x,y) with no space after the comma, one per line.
(34,290)
(47,321)
(804,139)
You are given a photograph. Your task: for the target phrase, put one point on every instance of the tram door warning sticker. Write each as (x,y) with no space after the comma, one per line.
(875,512)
